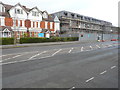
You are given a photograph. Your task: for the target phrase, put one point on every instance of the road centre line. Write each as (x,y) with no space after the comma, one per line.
(113,67)
(89,79)
(56,52)
(103,72)
(70,50)
(38,54)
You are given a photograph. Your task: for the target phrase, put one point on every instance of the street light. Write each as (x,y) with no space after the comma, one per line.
(111,33)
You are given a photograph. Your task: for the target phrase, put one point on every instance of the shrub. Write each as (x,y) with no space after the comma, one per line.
(7,41)
(52,39)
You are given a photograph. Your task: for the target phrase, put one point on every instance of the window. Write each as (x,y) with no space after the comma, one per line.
(65,13)
(35,13)
(20,22)
(2,9)
(33,24)
(72,15)
(18,11)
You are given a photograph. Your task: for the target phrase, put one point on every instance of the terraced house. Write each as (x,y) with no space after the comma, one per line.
(87,28)
(20,21)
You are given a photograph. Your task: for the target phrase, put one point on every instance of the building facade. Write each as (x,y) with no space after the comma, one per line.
(87,28)
(19,21)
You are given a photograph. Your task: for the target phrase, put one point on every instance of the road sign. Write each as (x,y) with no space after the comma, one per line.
(40,34)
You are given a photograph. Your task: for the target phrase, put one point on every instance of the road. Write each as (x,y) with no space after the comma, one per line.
(93,65)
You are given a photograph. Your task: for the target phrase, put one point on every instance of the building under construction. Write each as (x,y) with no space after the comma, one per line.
(88,28)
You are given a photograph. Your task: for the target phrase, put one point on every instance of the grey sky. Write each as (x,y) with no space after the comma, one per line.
(100,9)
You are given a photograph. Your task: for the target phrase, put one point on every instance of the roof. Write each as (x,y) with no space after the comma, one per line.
(4,27)
(50,18)
(27,10)
(7,8)
(79,15)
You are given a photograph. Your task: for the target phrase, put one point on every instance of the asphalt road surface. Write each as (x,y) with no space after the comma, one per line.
(93,65)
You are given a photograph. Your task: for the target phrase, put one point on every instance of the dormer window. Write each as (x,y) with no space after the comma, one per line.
(18,11)
(45,15)
(78,16)
(65,13)
(2,9)
(35,13)
(72,15)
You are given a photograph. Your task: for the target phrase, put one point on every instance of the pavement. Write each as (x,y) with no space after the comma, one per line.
(40,44)
(91,65)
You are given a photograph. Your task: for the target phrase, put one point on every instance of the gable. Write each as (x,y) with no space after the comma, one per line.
(18,6)
(2,8)
(6,30)
(45,15)
(56,19)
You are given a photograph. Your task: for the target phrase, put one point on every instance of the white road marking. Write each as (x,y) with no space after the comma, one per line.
(113,67)
(70,50)
(81,48)
(56,52)
(16,56)
(37,54)
(11,57)
(87,50)
(6,59)
(98,46)
(103,72)
(71,88)
(109,45)
(22,61)
(17,53)
(103,45)
(91,47)
(89,79)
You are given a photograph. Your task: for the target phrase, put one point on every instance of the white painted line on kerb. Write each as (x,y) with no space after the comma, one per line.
(37,54)
(103,72)
(56,52)
(98,46)
(89,79)
(113,67)
(70,50)
(81,48)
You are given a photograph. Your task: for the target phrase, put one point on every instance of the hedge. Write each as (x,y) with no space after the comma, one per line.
(6,41)
(41,40)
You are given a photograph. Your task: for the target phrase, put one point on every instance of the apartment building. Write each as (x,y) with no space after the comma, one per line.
(19,21)
(88,28)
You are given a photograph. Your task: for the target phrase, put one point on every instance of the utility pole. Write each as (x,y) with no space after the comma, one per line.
(14,26)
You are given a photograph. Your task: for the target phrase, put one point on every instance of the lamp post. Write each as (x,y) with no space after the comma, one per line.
(103,29)
(111,34)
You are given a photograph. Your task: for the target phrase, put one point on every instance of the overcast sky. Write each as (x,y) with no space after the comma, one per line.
(100,9)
